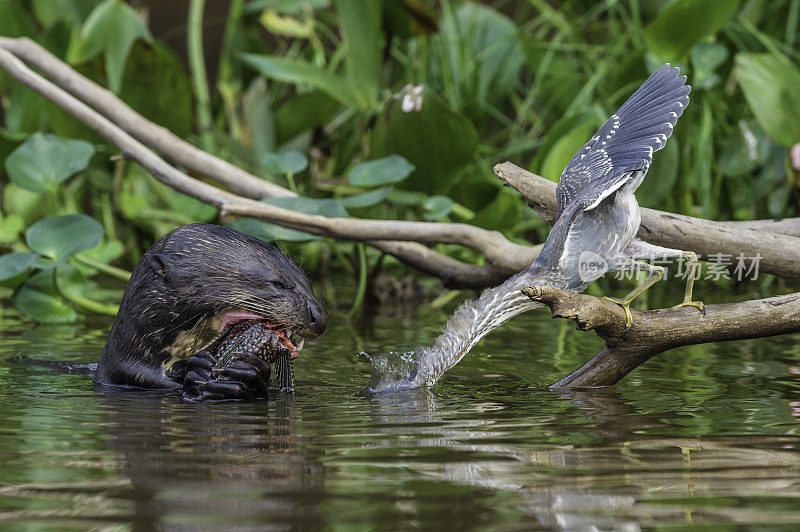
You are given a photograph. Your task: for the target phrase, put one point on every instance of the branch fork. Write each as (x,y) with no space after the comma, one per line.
(656,331)
(590,313)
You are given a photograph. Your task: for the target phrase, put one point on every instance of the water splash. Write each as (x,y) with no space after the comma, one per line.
(393,372)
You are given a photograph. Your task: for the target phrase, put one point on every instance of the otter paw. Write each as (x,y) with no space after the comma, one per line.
(198,369)
(243,378)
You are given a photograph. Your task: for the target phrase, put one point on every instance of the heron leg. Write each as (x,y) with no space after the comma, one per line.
(639,249)
(692,265)
(655,274)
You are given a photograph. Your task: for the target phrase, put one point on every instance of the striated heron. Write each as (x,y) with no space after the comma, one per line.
(597,221)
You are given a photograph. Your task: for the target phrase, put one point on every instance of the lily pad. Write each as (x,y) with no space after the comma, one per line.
(284,162)
(15,264)
(37,297)
(60,237)
(379,172)
(367,199)
(43,161)
(437,207)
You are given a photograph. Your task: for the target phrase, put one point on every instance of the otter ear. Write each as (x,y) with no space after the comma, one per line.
(159,263)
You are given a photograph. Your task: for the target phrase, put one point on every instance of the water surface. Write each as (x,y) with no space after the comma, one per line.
(703,435)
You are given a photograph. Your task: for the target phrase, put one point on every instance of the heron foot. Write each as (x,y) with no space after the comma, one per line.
(626,306)
(696,304)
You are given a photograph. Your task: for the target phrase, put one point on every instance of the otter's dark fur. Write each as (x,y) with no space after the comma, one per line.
(178,291)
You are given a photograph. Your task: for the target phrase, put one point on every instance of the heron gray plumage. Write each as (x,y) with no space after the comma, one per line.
(597,212)
(597,220)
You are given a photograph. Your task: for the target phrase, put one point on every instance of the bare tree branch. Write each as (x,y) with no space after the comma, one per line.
(779,252)
(656,331)
(453,273)
(501,254)
(504,257)
(159,138)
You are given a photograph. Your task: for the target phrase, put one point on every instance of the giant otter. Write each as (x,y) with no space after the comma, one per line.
(189,287)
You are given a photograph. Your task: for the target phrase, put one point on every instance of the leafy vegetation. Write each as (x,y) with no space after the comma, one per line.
(393,109)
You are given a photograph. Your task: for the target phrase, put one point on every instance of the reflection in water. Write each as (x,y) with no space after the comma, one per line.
(705,436)
(202,464)
(614,485)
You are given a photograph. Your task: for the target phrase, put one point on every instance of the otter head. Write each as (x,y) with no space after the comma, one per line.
(214,271)
(190,285)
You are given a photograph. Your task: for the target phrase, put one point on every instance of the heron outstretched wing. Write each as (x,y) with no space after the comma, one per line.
(625,144)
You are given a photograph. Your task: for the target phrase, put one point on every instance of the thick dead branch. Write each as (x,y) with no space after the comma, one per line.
(779,252)
(656,331)
(452,272)
(401,239)
(783,226)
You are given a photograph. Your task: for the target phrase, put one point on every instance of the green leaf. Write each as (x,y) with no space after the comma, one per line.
(43,161)
(329,208)
(361,27)
(258,117)
(71,11)
(477,56)
(440,154)
(301,72)
(106,251)
(71,282)
(683,23)
(14,264)
(23,203)
(437,207)
(771,86)
(564,149)
(284,25)
(706,57)
(367,199)
(37,297)
(379,172)
(406,197)
(285,162)
(112,27)
(60,237)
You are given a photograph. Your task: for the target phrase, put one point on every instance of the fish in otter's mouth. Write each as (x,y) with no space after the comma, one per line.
(242,334)
(282,336)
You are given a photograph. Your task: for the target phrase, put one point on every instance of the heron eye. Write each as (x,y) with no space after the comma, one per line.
(283,285)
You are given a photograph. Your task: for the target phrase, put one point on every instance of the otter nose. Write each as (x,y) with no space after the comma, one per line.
(318,319)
